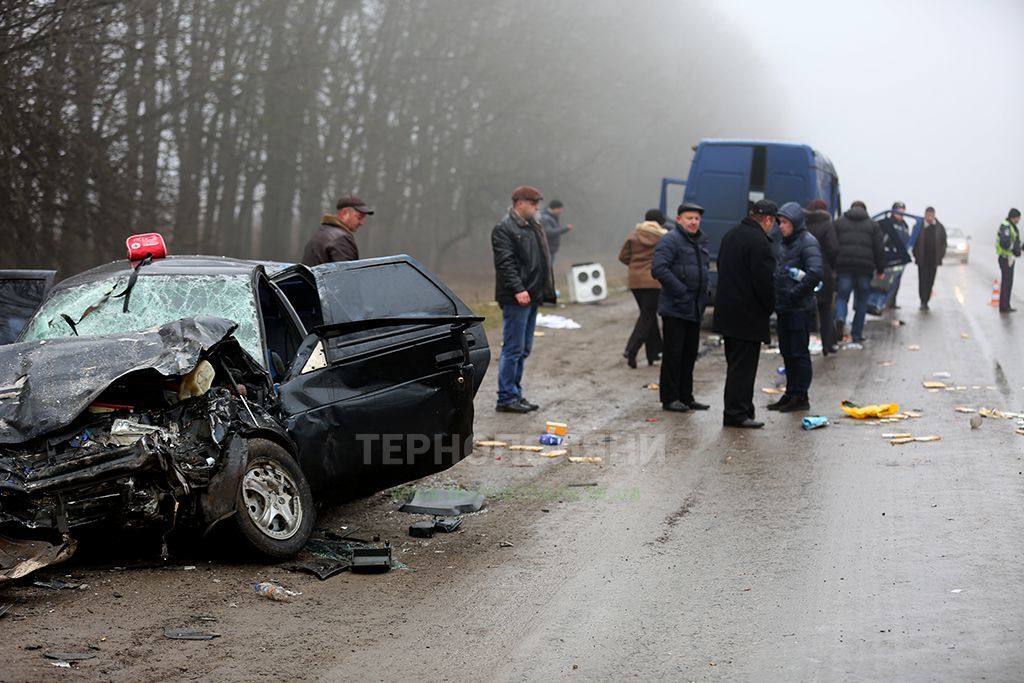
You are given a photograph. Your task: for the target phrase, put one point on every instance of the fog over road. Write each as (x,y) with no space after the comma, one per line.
(691,553)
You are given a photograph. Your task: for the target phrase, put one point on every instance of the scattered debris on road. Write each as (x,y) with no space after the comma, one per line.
(591,459)
(271,590)
(556,428)
(814,422)
(182,633)
(444,502)
(492,444)
(875,410)
(531,449)
(556,322)
(372,559)
(914,439)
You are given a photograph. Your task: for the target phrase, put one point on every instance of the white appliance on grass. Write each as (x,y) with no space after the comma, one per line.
(587,283)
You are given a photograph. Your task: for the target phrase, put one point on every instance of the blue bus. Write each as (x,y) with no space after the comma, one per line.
(728,176)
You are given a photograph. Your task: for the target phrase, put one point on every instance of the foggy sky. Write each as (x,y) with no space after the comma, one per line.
(918,101)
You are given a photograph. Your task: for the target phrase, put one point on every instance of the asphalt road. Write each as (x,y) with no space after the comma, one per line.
(692,552)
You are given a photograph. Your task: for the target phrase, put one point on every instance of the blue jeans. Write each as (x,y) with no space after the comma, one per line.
(860,284)
(794,330)
(517,325)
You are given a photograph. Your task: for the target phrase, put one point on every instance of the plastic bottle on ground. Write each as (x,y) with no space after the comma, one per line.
(272,591)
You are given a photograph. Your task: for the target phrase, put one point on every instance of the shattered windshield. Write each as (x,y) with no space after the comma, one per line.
(155,300)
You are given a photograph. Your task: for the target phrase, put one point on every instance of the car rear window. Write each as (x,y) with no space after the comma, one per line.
(155,300)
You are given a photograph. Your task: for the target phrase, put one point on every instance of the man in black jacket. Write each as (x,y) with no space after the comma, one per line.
(928,252)
(819,224)
(743,306)
(861,255)
(550,217)
(523,280)
(895,236)
(680,264)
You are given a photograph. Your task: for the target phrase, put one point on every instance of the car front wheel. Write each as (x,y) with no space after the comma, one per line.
(274,505)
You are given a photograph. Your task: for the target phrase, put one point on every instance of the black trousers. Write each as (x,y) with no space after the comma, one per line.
(794,337)
(682,339)
(645,331)
(926,280)
(741,357)
(1005,283)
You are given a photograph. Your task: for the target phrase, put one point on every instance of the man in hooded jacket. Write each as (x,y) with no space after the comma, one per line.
(798,271)
(680,264)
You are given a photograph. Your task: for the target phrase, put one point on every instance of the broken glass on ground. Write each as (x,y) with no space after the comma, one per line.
(341,555)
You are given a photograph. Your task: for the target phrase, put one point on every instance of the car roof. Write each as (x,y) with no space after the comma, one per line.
(171,265)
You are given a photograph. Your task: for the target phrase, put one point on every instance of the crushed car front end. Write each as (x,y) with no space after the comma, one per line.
(151,430)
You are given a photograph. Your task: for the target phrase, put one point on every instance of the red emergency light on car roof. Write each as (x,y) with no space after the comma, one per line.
(147,244)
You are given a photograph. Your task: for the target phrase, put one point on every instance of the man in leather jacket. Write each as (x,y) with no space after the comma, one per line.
(523,280)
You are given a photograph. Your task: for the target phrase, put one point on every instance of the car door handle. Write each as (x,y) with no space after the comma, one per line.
(449,358)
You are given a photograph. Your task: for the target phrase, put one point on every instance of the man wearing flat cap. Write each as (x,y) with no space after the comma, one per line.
(335,240)
(680,264)
(523,280)
(744,303)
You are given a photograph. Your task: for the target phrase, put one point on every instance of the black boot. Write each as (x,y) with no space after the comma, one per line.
(796,403)
(781,403)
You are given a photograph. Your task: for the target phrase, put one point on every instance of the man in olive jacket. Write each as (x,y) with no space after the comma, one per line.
(523,280)
(680,264)
(744,303)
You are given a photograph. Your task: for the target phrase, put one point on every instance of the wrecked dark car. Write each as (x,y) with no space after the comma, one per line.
(200,392)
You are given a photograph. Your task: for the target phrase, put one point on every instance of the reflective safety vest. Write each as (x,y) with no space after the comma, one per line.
(1008,235)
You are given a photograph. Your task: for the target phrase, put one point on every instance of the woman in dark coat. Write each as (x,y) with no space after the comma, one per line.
(819,224)
(637,252)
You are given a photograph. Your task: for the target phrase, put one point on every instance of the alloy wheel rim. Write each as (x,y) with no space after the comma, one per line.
(272,501)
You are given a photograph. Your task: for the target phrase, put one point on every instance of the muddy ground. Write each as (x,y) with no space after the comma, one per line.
(690,553)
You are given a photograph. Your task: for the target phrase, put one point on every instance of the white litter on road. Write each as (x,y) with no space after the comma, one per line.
(557,322)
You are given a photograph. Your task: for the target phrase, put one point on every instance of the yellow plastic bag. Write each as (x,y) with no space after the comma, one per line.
(864,412)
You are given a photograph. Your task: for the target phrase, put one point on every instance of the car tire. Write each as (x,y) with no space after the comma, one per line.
(274,511)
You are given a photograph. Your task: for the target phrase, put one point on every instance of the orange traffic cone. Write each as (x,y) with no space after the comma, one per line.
(995,293)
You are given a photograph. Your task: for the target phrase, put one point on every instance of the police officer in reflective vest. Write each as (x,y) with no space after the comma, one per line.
(1008,250)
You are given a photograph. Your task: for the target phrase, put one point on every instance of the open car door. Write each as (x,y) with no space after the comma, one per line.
(21,292)
(382,391)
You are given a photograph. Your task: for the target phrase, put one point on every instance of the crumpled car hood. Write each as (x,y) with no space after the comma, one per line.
(45,385)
